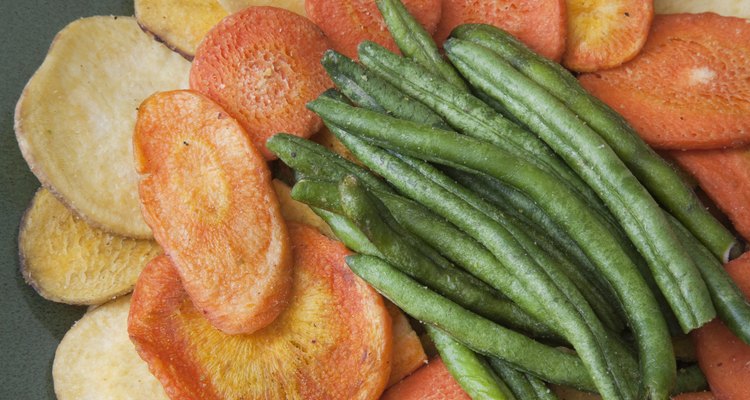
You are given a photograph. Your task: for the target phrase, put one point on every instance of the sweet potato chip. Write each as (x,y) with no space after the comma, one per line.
(294,211)
(75,118)
(67,260)
(206,193)
(97,360)
(332,342)
(180,24)
(298,6)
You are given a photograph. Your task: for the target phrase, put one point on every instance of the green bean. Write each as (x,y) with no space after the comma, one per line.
(444,278)
(536,243)
(457,246)
(731,304)
(469,369)
(448,148)
(473,331)
(607,359)
(526,387)
(592,158)
(519,205)
(656,174)
(347,232)
(469,115)
(370,91)
(415,42)
(318,161)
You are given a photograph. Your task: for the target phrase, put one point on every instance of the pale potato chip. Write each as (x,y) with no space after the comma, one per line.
(75,119)
(96,359)
(294,211)
(180,24)
(67,260)
(297,6)
(729,8)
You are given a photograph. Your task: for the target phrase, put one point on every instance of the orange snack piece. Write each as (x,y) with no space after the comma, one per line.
(540,24)
(725,177)
(605,34)
(431,382)
(723,357)
(332,342)
(206,193)
(689,88)
(408,353)
(262,64)
(349,22)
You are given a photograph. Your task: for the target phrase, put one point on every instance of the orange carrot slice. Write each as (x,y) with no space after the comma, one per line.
(724,175)
(540,24)
(431,382)
(262,65)
(605,34)
(690,86)
(695,396)
(349,22)
(723,357)
(408,353)
(332,342)
(206,193)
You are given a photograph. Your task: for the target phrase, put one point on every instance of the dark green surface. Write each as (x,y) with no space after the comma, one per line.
(30,327)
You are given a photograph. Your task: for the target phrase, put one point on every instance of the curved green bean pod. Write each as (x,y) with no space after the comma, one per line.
(470,370)
(469,115)
(655,173)
(590,156)
(414,41)
(455,244)
(368,90)
(607,359)
(524,386)
(449,148)
(731,305)
(475,332)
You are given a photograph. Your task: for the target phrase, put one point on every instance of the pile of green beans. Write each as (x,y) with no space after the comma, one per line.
(510,212)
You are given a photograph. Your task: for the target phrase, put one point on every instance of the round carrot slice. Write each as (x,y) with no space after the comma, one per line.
(690,86)
(349,22)
(206,193)
(540,24)
(723,357)
(605,34)
(431,382)
(262,65)
(332,342)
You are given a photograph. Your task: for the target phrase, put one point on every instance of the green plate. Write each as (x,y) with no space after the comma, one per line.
(30,327)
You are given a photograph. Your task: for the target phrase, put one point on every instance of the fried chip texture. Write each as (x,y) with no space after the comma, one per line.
(332,342)
(74,121)
(69,261)
(96,359)
(180,24)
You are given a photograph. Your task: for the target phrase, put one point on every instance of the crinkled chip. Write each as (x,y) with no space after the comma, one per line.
(96,359)
(232,6)
(69,261)
(180,24)
(75,118)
